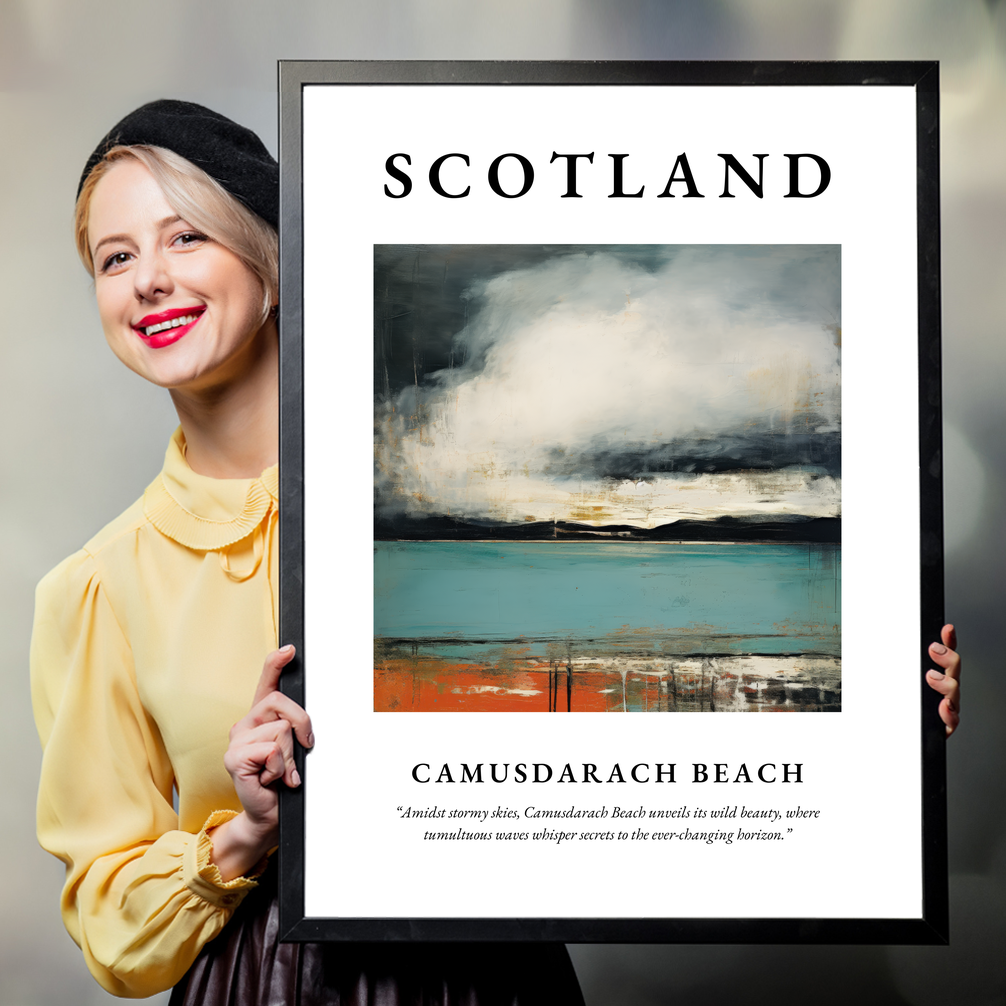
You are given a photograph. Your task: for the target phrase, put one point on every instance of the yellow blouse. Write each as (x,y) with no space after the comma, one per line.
(147,647)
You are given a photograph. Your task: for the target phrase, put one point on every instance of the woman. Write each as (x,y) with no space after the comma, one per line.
(148,643)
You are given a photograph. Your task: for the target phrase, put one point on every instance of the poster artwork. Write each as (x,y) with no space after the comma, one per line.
(607,478)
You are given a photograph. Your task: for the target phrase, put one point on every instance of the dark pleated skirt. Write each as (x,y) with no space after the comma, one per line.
(246,965)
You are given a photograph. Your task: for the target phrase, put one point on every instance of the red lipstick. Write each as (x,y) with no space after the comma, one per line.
(166,327)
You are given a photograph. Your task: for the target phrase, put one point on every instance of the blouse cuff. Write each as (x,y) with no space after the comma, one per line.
(202,876)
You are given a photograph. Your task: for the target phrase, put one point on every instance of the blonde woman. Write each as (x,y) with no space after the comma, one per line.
(154,660)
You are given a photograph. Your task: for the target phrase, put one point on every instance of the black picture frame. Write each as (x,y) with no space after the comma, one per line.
(931,925)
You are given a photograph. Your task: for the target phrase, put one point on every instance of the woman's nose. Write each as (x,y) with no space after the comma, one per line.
(152,277)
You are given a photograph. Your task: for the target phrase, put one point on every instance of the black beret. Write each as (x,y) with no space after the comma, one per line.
(231,154)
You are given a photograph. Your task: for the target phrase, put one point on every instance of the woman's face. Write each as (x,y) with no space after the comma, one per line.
(177,308)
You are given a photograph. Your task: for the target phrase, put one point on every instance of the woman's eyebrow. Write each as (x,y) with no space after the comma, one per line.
(109,240)
(160,225)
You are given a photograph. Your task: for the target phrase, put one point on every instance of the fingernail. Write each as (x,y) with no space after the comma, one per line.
(310,740)
(287,649)
(295,777)
(936,675)
(938,648)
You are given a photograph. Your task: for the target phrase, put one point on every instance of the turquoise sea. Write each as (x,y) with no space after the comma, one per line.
(455,598)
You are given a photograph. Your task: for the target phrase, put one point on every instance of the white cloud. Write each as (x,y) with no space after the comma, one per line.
(592,353)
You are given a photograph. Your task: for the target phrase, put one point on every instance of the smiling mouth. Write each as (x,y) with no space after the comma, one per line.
(167,327)
(167,322)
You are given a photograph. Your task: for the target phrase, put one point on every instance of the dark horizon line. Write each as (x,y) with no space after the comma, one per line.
(809,530)
(402,641)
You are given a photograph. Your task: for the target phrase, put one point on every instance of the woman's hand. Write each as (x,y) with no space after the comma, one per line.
(947,682)
(260,753)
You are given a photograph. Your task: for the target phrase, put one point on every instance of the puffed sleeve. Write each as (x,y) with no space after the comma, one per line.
(141,897)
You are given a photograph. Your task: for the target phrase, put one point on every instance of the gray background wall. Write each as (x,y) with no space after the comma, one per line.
(82,436)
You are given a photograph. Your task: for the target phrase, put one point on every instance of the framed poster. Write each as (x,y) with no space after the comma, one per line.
(612,388)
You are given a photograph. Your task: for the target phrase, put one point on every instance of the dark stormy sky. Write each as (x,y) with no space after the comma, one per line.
(516,379)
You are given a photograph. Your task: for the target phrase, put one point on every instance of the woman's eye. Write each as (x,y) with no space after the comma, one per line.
(190,238)
(114,261)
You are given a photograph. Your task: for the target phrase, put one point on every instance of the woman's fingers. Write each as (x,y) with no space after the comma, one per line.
(261,749)
(258,761)
(277,706)
(270,703)
(947,686)
(277,735)
(949,636)
(948,710)
(947,680)
(271,671)
(274,766)
(945,656)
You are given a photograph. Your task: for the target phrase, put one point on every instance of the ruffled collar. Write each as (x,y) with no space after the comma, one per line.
(203,513)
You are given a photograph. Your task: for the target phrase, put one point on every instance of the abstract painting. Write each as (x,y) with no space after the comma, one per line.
(607,478)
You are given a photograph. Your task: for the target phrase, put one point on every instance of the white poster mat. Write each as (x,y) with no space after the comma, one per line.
(861,857)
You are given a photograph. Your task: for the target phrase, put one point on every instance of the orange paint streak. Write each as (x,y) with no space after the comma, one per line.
(426,684)
(430,684)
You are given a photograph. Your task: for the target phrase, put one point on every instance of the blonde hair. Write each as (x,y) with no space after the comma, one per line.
(199,200)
